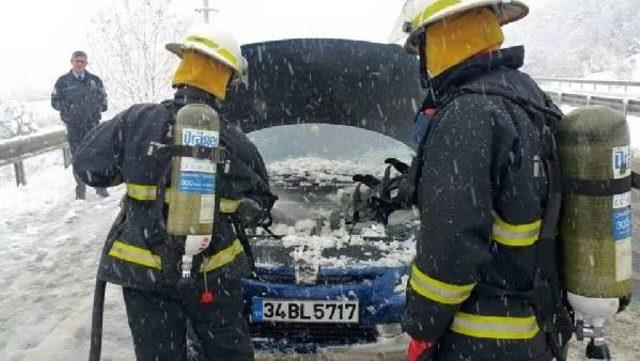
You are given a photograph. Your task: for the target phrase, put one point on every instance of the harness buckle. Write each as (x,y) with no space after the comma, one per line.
(154,147)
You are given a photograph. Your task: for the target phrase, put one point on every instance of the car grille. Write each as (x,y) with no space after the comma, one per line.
(317,334)
(321,280)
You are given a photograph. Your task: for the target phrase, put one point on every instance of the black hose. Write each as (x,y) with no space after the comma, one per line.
(96,320)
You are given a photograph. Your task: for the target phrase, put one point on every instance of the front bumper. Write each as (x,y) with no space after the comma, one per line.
(376,337)
(392,349)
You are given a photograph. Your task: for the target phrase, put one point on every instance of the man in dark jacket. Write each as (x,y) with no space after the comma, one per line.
(139,253)
(478,288)
(79,96)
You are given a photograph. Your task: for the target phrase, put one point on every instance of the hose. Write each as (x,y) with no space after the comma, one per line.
(96,320)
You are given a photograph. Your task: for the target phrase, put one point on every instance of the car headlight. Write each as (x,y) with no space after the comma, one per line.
(401,286)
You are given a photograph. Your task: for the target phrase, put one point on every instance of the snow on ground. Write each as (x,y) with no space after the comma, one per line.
(49,254)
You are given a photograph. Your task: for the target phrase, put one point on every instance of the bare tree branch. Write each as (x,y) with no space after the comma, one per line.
(128,50)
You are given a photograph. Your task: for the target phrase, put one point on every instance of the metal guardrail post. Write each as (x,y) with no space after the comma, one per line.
(66,155)
(21,178)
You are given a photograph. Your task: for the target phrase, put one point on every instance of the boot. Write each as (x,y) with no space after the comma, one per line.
(102,192)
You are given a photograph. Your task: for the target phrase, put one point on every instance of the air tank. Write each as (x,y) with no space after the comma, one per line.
(595,224)
(193,202)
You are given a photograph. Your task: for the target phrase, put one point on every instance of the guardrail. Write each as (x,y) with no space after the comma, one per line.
(626,106)
(16,150)
(617,87)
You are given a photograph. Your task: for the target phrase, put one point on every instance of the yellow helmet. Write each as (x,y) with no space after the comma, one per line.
(217,45)
(417,14)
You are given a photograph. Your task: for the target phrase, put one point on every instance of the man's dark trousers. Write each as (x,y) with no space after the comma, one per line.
(75,134)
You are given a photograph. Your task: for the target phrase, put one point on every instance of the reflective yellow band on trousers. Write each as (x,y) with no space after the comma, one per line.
(222,258)
(521,235)
(430,10)
(438,291)
(135,255)
(141,192)
(495,327)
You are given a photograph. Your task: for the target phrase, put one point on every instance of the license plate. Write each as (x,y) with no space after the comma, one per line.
(305,311)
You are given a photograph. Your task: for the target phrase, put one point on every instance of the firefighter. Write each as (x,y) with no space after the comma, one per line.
(484,283)
(139,253)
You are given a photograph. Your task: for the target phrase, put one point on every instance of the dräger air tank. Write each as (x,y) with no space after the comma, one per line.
(595,226)
(193,203)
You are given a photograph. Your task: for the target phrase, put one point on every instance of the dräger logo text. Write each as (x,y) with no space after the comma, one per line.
(194,137)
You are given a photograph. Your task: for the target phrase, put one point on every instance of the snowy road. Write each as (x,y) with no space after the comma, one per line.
(49,253)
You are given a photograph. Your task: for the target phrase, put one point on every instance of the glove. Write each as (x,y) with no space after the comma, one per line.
(250,213)
(420,350)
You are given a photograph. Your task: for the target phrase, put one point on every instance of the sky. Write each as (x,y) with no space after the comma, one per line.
(39,37)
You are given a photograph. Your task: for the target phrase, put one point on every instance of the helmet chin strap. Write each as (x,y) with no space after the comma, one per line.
(425,78)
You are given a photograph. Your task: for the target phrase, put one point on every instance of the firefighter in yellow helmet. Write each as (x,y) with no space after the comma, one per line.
(484,283)
(140,254)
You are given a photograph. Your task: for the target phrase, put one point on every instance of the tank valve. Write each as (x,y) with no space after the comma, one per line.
(597,349)
(187,264)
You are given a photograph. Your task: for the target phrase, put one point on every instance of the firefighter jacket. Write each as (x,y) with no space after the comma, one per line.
(139,253)
(481,192)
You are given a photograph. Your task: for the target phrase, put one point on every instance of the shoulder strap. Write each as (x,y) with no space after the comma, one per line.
(408,187)
(551,308)
(164,166)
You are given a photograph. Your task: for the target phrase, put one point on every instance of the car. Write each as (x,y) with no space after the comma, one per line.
(327,289)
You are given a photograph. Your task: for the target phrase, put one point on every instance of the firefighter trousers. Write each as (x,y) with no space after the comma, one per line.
(158,322)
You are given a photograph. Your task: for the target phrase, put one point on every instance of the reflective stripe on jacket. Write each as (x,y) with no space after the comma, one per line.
(147,193)
(144,257)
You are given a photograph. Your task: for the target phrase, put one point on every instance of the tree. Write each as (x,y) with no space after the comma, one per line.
(15,119)
(574,38)
(128,52)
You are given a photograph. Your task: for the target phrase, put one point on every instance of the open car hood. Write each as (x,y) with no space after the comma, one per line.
(366,85)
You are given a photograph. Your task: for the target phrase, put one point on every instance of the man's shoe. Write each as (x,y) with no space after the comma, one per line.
(102,192)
